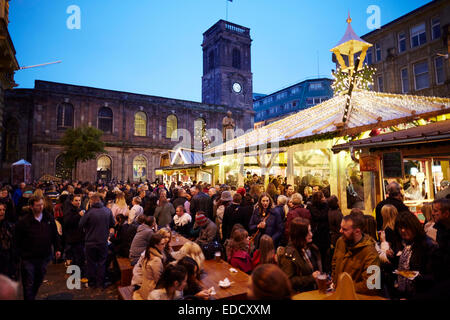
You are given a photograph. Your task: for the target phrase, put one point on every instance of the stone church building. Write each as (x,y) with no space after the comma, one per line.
(137,128)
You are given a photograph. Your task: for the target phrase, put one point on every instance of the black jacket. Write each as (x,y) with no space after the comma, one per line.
(421,260)
(35,239)
(442,254)
(231,216)
(96,224)
(201,202)
(398,204)
(319,225)
(121,240)
(71,219)
(179,201)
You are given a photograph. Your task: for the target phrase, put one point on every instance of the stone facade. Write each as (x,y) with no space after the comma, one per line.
(8,65)
(401,57)
(38,118)
(36,112)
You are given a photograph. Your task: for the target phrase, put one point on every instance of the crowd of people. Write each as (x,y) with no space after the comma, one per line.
(283,237)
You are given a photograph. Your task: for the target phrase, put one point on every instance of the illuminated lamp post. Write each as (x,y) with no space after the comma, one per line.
(349,46)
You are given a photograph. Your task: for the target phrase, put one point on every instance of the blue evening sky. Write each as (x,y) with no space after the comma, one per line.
(154,46)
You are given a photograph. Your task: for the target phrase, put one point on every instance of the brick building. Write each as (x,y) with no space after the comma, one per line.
(409,52)
(137,128)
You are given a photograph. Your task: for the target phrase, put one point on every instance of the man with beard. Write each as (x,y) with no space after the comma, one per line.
(354,253)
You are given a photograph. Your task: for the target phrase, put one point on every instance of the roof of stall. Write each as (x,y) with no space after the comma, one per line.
(369,110)
(433,132)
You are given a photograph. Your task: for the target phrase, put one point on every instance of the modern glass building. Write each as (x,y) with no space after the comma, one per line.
(292,99)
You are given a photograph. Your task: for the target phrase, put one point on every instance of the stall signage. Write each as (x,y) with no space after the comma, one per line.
(368,163)
(393,165)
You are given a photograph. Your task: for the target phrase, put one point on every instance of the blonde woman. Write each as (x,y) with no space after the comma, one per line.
(120,206)
(192,250)
(387,234)
(166,233)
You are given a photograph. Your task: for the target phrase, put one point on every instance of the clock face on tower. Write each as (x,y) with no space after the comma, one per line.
(237,87)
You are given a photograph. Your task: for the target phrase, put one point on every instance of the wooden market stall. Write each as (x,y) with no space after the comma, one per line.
(417,158)
(185,165)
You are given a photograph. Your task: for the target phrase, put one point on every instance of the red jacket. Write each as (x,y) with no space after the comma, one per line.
(241,259)
(294,212)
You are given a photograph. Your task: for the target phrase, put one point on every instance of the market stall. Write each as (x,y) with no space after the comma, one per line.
(417,158)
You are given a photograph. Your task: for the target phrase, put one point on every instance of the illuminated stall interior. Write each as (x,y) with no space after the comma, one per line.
(417,158)
(183,165)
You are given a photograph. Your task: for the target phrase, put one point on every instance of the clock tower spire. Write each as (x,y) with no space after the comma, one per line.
(227,76)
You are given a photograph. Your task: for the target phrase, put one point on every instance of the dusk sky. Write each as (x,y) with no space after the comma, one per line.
(154,46)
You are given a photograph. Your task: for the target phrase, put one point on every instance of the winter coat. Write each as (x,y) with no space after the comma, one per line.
(201,202)
(164,214)
(71,229)
(34,239)
(294,212)
(96,224)
(241,259)
(208,233)
(9,259)
(120,241)
(231,217)
(442,255)
(298,269)
(152,270)
(140,242)
(274,225)
(181,201)
(334,222)
(422,260)
(319,225)
(355,261)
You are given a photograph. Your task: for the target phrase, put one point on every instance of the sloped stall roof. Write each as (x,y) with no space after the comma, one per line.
(369,110)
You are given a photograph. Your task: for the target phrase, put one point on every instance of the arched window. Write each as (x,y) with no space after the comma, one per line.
(104,168)
(61,170)
(199,127)
(236,58)
(211,60)
(139,168)
(65,116)
(105,119)
(140,124)
(172,126)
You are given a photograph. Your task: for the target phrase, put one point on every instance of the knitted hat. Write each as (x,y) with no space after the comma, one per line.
(226,196)
(200,219)
(241,191)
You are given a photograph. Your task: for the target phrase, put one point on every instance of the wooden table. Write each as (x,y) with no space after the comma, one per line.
(316,295)
(178,241)
(215,271)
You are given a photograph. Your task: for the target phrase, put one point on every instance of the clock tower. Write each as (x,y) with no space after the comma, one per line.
(227,76)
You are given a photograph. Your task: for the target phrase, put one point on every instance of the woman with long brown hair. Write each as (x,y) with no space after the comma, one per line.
(265,221)
(265,253)
(237,251)
(301,259)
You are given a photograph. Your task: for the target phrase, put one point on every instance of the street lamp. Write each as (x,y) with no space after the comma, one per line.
(350,46)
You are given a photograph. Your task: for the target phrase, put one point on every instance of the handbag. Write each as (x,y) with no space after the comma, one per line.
(210,249)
